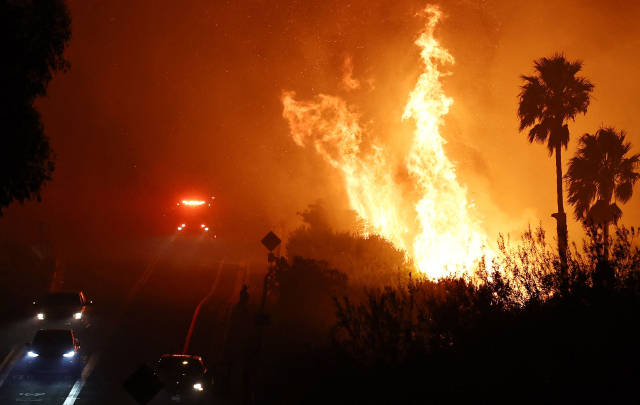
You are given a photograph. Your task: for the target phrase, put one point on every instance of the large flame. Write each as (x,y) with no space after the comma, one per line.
(437,230)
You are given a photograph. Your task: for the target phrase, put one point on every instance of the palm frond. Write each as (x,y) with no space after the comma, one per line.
(532,102)
(540,132)
(551,98)
(624,192)
(600,171)
(558,133)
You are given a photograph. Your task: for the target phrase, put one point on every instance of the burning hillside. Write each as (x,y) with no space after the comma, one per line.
(433,223)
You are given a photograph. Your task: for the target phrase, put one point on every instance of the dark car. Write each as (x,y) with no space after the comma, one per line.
(185,379)
(64,309)
(54,350)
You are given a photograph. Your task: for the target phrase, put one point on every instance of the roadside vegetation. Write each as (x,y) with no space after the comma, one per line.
(518,332)
(536,324)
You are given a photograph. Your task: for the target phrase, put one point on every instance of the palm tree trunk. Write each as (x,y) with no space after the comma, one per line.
(608,273)
(605,229)
(561,217)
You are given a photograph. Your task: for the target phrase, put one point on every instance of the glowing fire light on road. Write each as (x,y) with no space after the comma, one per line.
(192,202)
(436,229)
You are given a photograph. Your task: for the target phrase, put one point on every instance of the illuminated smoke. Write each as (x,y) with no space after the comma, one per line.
(436,230)
(348,81)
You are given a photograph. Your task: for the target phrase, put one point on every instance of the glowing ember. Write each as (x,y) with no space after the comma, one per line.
(192,202)
(437,229)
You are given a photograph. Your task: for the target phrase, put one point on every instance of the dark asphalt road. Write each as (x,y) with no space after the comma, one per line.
(142,309)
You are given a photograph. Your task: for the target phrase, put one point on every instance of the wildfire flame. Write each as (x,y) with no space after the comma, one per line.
(437,231)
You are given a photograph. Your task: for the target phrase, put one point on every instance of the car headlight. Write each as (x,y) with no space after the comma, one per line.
(179,228)
(77,315)
(70,354)
(198,386)
(206,229)
(32,354)
(40,316)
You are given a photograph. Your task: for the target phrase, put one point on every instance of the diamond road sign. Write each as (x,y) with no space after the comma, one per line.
(143,384)
(271,241)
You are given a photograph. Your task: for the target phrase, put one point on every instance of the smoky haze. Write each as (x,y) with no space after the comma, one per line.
(167,99)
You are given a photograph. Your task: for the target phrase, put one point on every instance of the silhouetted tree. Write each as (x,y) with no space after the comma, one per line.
(601,171)
(547,102)
(33,36)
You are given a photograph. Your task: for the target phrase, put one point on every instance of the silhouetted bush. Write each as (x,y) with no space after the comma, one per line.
(372,261)
(300,302)
(304,285)
(513,333)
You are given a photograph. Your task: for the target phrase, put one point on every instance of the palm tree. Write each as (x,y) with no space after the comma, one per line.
(599,172)
(547,102)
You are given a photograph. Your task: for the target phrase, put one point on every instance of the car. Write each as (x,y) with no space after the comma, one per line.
(55,351)
(64,309)
(185,378)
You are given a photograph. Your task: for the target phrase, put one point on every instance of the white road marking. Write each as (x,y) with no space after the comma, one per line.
(77,387)
(10,363)
(6,359)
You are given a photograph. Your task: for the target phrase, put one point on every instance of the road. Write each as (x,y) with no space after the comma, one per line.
(142,309)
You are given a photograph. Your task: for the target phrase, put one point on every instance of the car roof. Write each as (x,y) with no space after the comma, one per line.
(55,330)
(181,355)
(64,292)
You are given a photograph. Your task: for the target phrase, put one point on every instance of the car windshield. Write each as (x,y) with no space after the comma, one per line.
(180,366)
(53,337)
(62,299)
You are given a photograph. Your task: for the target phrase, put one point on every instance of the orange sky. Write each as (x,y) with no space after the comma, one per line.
(165,98)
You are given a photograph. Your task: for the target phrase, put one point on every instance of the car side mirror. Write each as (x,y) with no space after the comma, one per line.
(28,344)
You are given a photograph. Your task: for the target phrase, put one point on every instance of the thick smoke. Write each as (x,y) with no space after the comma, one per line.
(166,100)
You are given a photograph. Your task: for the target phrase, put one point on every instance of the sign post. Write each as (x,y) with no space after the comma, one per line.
(271,241)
